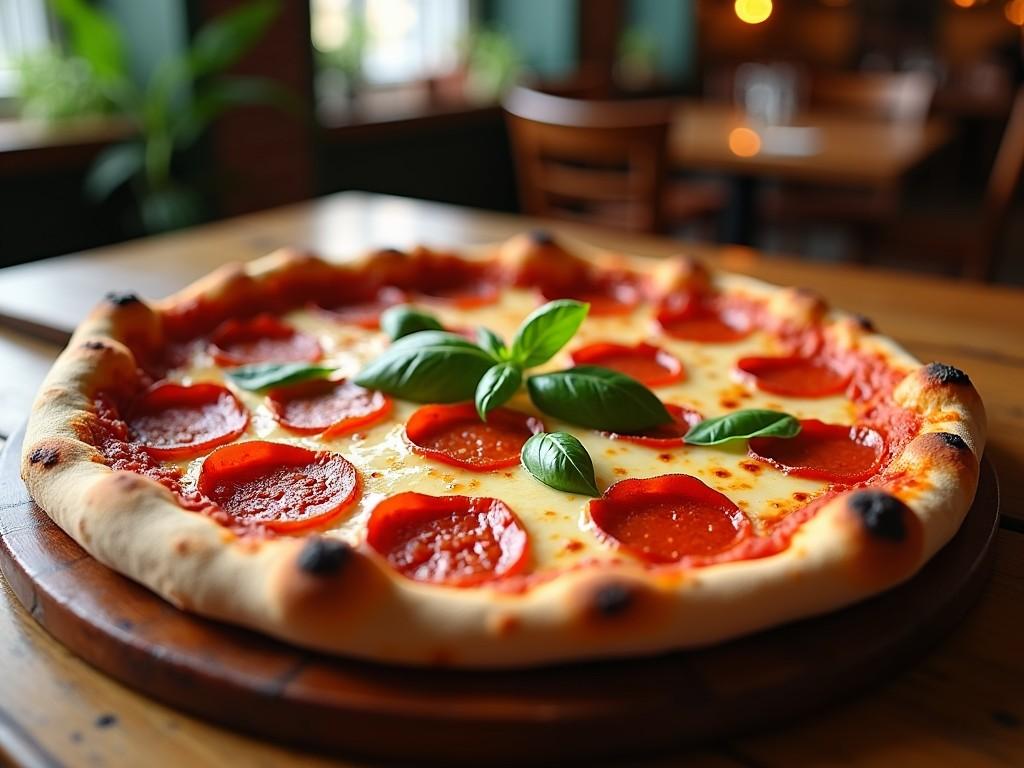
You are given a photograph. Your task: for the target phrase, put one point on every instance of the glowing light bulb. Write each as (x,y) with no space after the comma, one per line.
(753,11)
(1014,11)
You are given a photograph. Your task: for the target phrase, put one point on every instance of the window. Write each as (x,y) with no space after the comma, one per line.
(24,28)
(391,41)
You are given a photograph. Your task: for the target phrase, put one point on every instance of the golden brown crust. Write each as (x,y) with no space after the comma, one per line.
(326,594)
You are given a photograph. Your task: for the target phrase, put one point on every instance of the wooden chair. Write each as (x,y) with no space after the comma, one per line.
(602,162)
(903,97)
(973,241)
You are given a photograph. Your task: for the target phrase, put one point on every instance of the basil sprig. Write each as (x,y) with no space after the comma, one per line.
(561,462)
(742,425)
(546,330)
(599,398)
(266,375)
(498,384)
(403,320)
(428,367)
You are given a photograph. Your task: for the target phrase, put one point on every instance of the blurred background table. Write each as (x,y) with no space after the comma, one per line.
(962,704)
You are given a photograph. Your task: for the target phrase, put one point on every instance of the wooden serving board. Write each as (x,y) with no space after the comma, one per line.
(255,684)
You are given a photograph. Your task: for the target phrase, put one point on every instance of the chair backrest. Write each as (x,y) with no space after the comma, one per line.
(897,96)
(599,161)
(1003,182)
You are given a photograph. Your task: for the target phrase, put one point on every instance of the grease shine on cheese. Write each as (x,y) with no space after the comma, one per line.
(560,529)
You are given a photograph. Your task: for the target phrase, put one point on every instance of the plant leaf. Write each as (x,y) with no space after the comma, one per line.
(115,166)
(491,343)
(266,375)
(428,367)
(222,41)
(94,37)
(496,387)
(598,398)
(403,320)
(546,330)
(561,462)
(740,425)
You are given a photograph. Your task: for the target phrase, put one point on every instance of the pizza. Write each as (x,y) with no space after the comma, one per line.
(526,453)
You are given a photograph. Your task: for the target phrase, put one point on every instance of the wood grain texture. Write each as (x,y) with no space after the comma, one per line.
(258,685)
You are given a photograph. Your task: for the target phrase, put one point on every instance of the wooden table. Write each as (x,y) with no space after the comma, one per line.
(824,148)
(961,705)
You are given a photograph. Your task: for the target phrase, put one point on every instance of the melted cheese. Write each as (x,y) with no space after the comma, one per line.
(560,529)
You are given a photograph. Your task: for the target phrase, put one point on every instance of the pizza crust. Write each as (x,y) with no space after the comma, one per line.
(324,594)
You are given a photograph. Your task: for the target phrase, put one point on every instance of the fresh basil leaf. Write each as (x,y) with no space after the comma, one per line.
(546,330)
(561,462)
(496,387)
(428,367)
(491,343)
(403,320)
(265,375)
(598,398)
(740,425)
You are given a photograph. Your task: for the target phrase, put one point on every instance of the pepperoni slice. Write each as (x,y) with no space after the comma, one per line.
(692,318)
(836,453)
(665,435)
(456,282)
(670,519)
(794,376)
(173,421)
(262,339)
(455,435)
(457,541)
(611,297)
(313,406)
(646,363)
(281,487)
(367,314)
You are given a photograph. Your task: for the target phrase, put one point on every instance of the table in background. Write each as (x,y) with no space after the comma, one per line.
(961,705)
(823,148)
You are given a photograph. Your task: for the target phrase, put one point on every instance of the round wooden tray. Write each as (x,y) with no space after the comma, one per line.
(261,686)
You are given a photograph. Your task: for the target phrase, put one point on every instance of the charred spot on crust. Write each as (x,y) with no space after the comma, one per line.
(541,237)
(946,374)
(881,513)
(864,323)
(48,457)
(95,344)
(119,299)
(612,600)
(323,556)
(954,441)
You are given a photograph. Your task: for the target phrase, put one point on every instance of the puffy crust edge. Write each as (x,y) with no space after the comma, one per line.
(344,600)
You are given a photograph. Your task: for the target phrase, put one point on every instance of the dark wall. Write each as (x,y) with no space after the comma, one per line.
(464,160)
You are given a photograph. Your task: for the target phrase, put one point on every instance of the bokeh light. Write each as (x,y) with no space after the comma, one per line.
(744,142)
(753,11)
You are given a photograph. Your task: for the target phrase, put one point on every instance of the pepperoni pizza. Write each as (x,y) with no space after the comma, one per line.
(525,454)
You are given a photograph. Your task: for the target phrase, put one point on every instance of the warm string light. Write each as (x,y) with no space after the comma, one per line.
(753,11)
(744,142)
(1014,11)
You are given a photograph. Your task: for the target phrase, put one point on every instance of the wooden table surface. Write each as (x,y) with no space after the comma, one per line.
(963,704)
(820,147)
